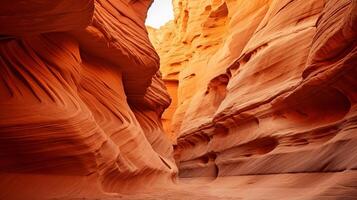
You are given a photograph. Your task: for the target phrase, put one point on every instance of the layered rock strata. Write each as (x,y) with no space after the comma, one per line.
(80,100)
(264,86)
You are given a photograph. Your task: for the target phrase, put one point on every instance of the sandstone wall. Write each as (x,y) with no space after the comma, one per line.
(80,100)
(263,86)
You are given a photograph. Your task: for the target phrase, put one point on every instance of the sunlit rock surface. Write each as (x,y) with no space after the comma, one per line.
(263,87)
(80,100)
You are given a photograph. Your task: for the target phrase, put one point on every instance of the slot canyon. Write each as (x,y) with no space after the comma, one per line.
(229,100)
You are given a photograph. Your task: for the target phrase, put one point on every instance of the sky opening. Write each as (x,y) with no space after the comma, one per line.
(160,12)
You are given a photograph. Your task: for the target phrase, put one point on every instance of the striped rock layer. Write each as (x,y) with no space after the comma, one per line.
(263,87)
(80,100)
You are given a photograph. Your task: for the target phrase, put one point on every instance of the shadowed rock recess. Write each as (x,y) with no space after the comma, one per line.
(263,100)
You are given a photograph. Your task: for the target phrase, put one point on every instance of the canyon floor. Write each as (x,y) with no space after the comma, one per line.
(314,186)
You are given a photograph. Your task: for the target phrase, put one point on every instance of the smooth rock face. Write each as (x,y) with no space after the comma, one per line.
(80,100)
(263,86)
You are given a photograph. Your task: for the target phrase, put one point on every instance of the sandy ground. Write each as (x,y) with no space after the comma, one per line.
(299,186)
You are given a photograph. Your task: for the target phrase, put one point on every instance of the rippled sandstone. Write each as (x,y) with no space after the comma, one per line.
(263,87)
(80,100)
(263,102)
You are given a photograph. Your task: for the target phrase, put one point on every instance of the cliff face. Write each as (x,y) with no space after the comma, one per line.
(80,100)
(263,86)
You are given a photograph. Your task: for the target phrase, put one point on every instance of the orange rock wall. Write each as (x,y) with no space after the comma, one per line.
(263,86)
(80,100)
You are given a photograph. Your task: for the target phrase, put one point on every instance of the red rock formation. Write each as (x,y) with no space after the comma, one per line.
(80,115)
(264,99)
(265,87)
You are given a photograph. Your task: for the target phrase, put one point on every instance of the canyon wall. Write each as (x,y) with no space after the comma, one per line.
(263,86)
(80,100)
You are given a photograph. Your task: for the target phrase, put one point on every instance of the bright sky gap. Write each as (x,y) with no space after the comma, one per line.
(160,12)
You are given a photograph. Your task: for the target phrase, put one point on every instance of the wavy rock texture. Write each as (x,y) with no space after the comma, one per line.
(263,87)
(80,100)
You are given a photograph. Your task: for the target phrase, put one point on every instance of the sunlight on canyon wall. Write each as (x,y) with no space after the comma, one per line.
(263,86)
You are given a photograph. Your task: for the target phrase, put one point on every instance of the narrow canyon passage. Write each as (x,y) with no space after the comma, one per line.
(212,99)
